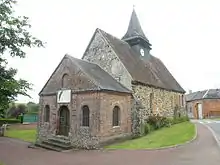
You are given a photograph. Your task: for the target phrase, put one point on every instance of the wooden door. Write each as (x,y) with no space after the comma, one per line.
(64,121)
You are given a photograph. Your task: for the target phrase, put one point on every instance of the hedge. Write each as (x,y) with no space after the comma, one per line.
(34,113)
(9,121)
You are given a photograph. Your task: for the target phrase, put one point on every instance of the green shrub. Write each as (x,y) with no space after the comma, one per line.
(180,119)
(147,128)
(9,121)
(142,129)
(154,122)
(158,122)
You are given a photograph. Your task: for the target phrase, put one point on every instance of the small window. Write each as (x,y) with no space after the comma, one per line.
(47,113)
(182,100)
(85,116)
(116,116)
(151,102)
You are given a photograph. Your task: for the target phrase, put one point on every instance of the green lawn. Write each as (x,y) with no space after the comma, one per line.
(26,135)
(218,118)
(176,134)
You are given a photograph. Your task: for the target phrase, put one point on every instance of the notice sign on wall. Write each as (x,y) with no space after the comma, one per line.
(64,96)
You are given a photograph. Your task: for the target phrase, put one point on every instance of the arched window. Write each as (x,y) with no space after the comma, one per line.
(85,116)
(151,102)
(65,81)
(116,116)
(182,100)
(47,113)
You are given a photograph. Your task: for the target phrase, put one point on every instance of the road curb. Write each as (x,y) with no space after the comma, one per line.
(168,147)
(213,134)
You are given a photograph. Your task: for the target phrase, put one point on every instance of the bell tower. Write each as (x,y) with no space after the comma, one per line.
(136,38)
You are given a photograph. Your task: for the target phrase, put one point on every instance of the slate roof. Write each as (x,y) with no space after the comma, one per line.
(189,97)
(205,94)
(134,28)
(151,71)
(213,94)
(101,78)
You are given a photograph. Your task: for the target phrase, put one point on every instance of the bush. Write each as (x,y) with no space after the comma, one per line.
(34,113)
(180,119)
(9,121)
(147,128)
(154,122)
(158,122)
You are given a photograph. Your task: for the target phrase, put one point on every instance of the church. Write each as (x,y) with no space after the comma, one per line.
(104,95)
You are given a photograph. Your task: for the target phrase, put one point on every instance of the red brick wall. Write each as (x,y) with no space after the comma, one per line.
(109,101)
(101,106)
(211,106)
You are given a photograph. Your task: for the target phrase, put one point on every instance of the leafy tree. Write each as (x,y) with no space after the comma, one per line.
(30,103)
(11,110)
(32,107)
(21,108)
(14,37)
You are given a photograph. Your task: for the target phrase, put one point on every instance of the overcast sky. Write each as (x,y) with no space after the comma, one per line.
(184,34)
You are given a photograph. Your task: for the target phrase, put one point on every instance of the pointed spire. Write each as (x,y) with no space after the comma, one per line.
(134,28)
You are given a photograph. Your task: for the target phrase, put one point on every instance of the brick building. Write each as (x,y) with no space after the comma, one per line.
(203,104)
(105,94)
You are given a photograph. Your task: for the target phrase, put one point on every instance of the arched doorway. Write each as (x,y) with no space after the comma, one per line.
(64,121)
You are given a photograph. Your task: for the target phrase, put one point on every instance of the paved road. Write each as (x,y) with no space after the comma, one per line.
(214,125)
(203,151)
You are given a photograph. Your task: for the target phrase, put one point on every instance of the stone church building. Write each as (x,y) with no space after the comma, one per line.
(106,94)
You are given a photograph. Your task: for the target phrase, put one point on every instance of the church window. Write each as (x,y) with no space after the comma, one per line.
(47,113)
(151,102)
(182,100)
(65,81)
(116,116)
(85,116)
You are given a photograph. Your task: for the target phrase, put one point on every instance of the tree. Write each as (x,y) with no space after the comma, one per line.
(32,107)
(11,110)
(21,108)
(14,37)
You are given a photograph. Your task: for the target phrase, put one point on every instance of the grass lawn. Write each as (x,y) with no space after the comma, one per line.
(176,134)
(26,135)
(218,118)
